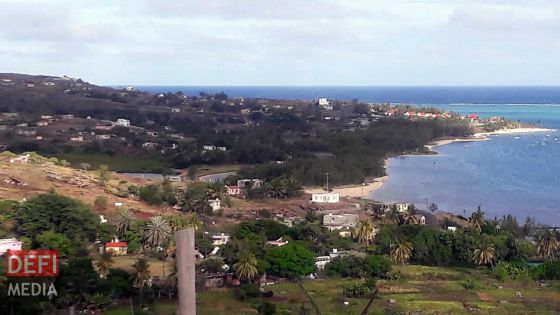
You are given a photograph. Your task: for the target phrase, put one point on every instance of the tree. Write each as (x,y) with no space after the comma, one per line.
(392,216)
(56,213)
(123,221)
(477,220)
(104,174)
(246,267)
(365,232)
(291,261)
(211,265)
(547,244)
(104,264)
(194,221)
(156,232)
(53,240)
(484,255)
(77,280)
(347,266)
(100,202)
(377,265)
(409,215)
(140,272)
(176,222)
(401,252)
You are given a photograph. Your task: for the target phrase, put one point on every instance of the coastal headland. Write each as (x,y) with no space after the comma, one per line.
(364,190)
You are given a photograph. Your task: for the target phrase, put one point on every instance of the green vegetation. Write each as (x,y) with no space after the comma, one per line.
(115,162)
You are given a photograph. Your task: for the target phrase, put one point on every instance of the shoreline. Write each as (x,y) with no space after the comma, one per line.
(363,191)
(485,136)
(352,191)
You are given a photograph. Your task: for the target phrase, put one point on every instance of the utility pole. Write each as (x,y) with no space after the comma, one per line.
(184,240)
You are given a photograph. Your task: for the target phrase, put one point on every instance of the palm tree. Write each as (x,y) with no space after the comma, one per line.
(156,232)
(177,222)
(409,215)
(477,220)
(377,210)
(140,272)
(401,252)
(194,222)
(484,255)
(246,267)
(104,264)
(365,232)
(392,216)
(123,221)
(547,244)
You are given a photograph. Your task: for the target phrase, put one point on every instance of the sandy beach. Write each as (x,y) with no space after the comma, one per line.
(483,136)
(513,131)
(353,191)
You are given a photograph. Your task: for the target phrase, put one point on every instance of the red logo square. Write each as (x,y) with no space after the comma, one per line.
(32,263)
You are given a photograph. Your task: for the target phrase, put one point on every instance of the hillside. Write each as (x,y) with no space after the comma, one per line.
(22,177)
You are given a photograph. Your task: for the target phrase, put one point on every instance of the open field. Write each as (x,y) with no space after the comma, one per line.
(156,266)
(422,290)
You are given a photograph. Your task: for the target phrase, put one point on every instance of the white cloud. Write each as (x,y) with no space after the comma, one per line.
(282,42)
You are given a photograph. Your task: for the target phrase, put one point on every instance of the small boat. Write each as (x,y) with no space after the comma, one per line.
(517,137)
(543,143)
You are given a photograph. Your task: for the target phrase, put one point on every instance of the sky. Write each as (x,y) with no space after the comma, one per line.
(284,42)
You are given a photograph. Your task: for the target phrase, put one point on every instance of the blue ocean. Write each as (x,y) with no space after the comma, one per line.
(505,175)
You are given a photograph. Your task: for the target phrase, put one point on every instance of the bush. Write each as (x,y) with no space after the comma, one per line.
(469,284)
(240,294)
(355,290)
(347,266)
(377,265)
(247,291)
(549,270)
(268,293)
(267,308)
(371,283)
(100,202)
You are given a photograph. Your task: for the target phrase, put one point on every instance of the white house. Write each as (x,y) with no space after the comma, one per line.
(103,137)
(277,243)
(215,204)
(401,207)
(325,197)
(123,122)
(209,147)
(175,110)
(322,261)
(233,190)
(340,221)
(9,244)
(249,183)
(220,239)
(77,139)
(323,101)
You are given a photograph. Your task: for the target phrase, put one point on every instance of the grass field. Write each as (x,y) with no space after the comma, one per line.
(114,162)
(156,266)
(422,290)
